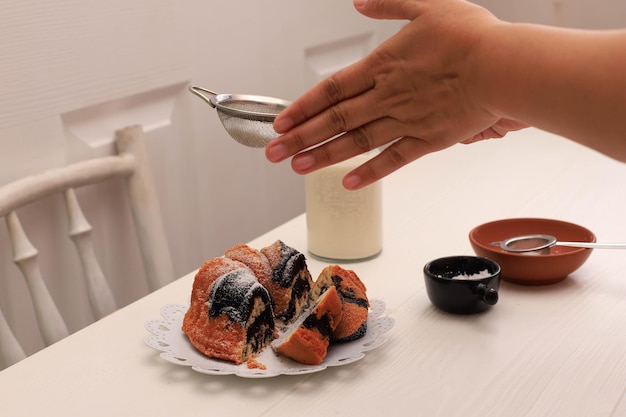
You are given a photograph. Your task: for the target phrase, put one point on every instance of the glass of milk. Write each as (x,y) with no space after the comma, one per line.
(343,225)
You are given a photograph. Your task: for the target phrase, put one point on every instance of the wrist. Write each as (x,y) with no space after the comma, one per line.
(485,63)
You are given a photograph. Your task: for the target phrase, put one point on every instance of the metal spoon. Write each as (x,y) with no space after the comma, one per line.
(538,242)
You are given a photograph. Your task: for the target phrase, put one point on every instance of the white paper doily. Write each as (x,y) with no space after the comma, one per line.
(167,337)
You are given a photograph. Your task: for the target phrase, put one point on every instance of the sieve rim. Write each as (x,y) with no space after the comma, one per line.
(220,102)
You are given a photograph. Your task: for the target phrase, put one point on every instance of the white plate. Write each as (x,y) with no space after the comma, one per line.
(174,345)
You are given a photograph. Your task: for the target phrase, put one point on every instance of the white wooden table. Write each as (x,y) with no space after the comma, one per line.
(557,350)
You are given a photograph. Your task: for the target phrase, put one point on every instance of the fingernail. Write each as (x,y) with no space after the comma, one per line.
(351,181)
(283,124)
(360,3)
(303,163)
(276,153)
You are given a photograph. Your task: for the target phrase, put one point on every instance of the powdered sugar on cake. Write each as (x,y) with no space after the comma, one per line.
(240,301)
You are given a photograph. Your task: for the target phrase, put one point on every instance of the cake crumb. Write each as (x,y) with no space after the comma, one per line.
(252,363)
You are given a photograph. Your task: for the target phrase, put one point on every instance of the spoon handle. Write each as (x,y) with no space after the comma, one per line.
(593,245)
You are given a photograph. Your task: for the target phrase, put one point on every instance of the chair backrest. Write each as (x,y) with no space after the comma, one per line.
(130,163)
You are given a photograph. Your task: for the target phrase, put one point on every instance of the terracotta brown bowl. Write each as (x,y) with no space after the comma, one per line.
(532,268)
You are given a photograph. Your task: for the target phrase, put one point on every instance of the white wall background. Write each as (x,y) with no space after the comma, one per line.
(73,71)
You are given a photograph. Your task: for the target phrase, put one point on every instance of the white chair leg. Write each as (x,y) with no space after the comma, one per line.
(52,325)
(98,290)
(10,349)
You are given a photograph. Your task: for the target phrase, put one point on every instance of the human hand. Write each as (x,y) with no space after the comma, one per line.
(414,93)
(497,131)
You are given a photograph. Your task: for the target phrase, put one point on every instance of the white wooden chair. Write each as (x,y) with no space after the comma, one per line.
(131,163)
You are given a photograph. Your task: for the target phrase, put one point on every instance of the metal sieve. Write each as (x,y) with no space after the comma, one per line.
(247,119)
(539,243)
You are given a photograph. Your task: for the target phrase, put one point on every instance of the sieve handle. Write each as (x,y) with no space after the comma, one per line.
(199,90)
(593,245)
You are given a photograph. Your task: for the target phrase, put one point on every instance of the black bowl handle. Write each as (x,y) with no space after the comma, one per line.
(489,295)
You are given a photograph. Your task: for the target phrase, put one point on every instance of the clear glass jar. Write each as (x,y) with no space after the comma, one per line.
(343,225)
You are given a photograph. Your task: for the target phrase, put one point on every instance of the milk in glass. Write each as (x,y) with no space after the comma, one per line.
(343,225)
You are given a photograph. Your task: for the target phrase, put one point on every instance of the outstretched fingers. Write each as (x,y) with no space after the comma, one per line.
(315,117)
(400,153)
(351,143)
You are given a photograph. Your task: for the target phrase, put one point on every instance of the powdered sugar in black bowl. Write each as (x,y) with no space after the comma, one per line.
(462,284)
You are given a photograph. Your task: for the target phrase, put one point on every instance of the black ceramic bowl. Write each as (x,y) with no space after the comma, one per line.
(462,284)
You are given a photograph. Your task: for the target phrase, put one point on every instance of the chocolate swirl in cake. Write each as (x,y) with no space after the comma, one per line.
(290,282)
(239,295)
(230,316)
(290,262)
(353,296)
(233,294)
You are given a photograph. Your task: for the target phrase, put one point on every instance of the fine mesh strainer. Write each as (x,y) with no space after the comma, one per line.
(247,119)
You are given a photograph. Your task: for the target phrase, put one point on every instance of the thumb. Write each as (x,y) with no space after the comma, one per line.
(388,9)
